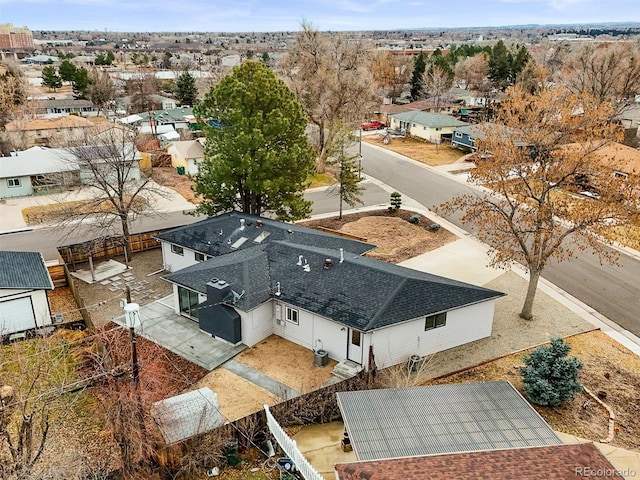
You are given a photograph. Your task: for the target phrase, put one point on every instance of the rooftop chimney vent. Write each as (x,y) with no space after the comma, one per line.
(327,263)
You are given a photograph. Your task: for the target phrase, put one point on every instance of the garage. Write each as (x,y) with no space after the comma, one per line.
(16,315)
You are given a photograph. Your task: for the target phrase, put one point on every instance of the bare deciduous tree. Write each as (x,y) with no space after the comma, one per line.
(609,72)
(119,191)
(126,403)
(436,82)
(332,80)
(35,376)
(391,73)
(542,151)
(102,90)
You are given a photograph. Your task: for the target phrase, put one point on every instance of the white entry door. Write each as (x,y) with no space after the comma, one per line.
(354,346)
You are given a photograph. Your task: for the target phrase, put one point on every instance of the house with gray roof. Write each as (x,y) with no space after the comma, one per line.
(432,127)
(243,278)
(41,169)
(24,281)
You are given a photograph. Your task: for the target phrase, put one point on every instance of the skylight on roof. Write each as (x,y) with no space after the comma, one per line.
(238,243)
(260,238)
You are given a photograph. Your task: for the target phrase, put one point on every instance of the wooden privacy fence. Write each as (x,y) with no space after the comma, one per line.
(106,248)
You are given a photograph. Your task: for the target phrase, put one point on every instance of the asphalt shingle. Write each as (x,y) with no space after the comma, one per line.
(24,270)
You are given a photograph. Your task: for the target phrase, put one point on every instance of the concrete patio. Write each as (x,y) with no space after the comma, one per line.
(161,325)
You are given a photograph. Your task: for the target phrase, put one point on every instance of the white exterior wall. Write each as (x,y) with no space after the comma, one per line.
(395,344)
(174,262)
(39,301)
(330,336)
(257,324)
(23,190)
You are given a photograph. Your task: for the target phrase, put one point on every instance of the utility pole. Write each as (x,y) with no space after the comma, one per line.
(132,317)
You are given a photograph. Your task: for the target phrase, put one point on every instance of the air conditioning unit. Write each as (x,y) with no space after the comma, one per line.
(57,318)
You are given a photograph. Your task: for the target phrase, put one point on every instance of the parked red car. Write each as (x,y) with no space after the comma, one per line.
(372,125)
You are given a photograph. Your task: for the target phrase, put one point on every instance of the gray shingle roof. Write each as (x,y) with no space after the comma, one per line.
(436,419)
(360,292)
(215,236)
(434,120)
(24,270)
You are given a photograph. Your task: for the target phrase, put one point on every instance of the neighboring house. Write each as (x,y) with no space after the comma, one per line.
(444,106)
(569,462)
(433,127)
(178,118)
(47,132)
(464,137)
(41,60)
(41,169)
(244,278)
(24,281)
(37,170)
(457,430)
(187,154)
(155,102)
(85,108)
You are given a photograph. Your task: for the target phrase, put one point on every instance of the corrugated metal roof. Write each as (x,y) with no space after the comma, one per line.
(435,419)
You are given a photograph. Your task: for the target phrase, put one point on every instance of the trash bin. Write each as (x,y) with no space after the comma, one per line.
(230,449)
(321,358)
(180,170)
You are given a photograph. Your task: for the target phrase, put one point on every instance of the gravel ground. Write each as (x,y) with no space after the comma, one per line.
(103,301)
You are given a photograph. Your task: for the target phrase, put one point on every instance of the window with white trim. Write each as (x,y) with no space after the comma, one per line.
(177,250)
(435,321)
(13,182)
(291,314)
(200,257)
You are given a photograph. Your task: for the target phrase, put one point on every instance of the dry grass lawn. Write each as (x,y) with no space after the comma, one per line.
(287,363)
(419,150)
(237,397)
(62,211)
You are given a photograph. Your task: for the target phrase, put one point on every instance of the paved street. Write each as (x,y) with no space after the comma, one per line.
(613,291)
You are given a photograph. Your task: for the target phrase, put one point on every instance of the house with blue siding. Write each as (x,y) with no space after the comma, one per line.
(465,137)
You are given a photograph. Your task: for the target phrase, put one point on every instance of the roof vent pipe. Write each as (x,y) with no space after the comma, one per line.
(327,263)
(258,223)
(341,255)
(242,224)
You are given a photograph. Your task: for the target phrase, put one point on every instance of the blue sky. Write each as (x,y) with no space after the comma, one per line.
(269,15)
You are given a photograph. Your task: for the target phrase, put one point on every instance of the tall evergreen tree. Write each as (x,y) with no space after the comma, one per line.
(80,83)
(67,71)
(348,189)
(419,67)
(186,89)
(257,155)
(50,77)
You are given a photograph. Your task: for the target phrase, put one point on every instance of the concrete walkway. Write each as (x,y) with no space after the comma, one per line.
(161,325)
(254,376)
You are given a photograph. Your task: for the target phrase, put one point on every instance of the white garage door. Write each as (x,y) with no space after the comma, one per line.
(16,315)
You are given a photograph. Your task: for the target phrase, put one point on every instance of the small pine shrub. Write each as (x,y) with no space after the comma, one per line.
(549,377)
(396,200)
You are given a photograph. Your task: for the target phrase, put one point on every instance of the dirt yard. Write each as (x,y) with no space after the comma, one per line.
(396,238)
(424,152)
(600,355)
